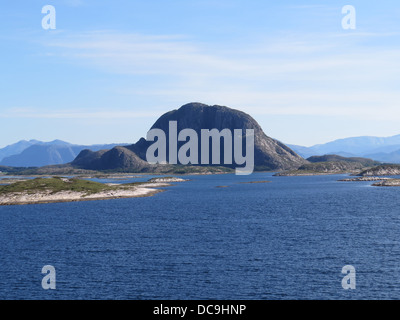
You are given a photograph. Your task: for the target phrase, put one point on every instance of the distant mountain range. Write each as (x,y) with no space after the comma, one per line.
(16,148)
(270,154)
(36,153)
(376,148)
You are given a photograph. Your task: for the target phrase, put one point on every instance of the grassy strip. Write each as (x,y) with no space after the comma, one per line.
(54,185)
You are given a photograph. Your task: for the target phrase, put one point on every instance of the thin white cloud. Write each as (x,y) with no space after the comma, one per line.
(37,113)
(328,75)
(138,54)
(179,55)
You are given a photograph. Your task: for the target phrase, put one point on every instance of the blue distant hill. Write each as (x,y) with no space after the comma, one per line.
(36,153)
(376,148)
(16,148)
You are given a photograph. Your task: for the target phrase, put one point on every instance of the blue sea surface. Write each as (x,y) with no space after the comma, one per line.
(288,239)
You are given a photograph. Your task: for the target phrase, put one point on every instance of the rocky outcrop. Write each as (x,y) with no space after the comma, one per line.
(388,183)
(384,170)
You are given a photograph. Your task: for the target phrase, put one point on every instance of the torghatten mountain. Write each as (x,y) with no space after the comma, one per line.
(269,154)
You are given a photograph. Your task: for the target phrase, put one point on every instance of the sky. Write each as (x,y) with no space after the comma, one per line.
(111,68)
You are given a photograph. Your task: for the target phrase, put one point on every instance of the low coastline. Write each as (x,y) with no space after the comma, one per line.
(364,179)
(106,192)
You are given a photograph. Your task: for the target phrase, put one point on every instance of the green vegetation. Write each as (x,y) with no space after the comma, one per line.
(188,169)
(54,185)
(67,169)
(335,158)
(13,170)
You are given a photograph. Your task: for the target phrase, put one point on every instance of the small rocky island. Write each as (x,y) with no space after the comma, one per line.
(376,173)
(382,170)
(61,189)
(381,182)
(388,183)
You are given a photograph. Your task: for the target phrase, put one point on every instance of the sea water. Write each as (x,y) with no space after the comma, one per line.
(288,239)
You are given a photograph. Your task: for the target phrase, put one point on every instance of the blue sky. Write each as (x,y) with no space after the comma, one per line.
(111,68)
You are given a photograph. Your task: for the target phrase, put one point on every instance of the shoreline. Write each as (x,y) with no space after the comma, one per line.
(150,194)
(141,190)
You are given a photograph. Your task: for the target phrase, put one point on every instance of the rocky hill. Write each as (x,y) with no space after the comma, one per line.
(116,158)
(269,154)
(335,158)
(331,164)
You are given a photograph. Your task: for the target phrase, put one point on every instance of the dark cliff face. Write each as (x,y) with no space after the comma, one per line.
(269,154)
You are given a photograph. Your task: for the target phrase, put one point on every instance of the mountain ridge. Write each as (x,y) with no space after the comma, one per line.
(42,153)
(16,148)
(383,149)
